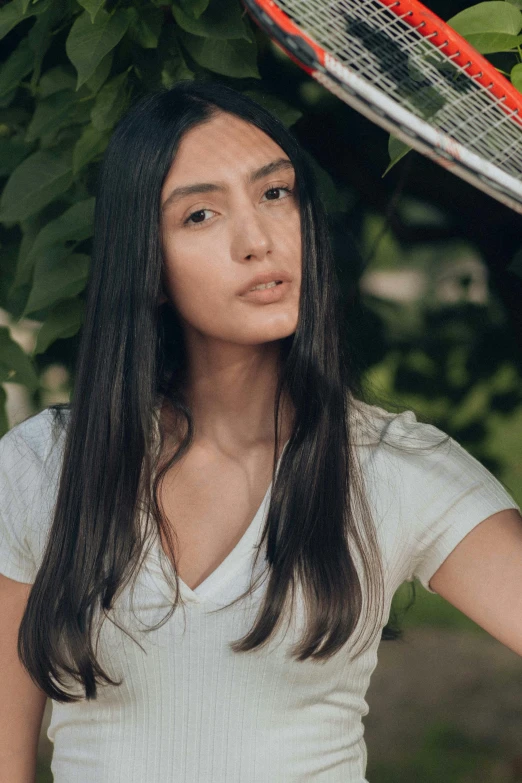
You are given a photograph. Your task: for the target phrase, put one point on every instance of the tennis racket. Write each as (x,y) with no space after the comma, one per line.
(406,70)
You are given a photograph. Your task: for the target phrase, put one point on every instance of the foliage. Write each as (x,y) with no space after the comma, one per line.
(71,68)
(450,361)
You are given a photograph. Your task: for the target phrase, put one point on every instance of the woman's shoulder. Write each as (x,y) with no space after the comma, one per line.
(374,425)
(29,471)
(32,440)
(36,432)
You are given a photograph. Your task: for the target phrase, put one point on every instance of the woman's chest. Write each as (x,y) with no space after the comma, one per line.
(209,504)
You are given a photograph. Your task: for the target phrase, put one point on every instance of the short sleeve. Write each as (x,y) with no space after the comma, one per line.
(436,494)
(20,470)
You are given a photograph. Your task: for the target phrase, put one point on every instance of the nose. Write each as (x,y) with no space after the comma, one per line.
(251,235)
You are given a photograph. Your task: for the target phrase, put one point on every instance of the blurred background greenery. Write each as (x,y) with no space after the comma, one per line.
(431,276)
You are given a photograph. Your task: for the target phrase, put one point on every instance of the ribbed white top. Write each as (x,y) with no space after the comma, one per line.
(189,709)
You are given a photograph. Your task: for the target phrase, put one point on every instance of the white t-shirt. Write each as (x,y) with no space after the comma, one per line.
(190,710)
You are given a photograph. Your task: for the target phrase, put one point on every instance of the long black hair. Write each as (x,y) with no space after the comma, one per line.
(131,356)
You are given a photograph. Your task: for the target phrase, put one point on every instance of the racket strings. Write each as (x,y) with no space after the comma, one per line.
(380,46)
(400,58)
(474,118)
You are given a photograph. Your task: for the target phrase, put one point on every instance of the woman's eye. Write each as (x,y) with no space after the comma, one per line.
(279,187)
(190,217)
(190,220)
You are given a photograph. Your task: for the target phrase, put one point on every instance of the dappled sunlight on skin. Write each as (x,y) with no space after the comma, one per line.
(234,235)
(214,242)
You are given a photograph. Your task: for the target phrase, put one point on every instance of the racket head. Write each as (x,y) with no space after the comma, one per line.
(379,56)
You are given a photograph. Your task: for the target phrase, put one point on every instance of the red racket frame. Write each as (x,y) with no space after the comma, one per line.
(440,35)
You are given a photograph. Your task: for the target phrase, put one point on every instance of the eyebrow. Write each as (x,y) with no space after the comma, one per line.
(208,187)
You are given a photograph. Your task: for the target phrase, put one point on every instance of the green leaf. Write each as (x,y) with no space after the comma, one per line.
(40,36)
(516,77)
(12,152)
(17,65)
(57,279)
(145,26)
(489,43)
(55,79)
(16,11)
(516,3)
(65,133)
(88,43)
(37,181)
(397,149)
(15,118)
(101,73)
(193,7)
(7,302)
(51,113)
(286,113)
(495,16)
(10,15)
(223,19)
(92,7)
(8,98)
(24,271)
(75,224)
(30,228)
(231,58)
(64,320)
(174,67)
(110,102)
(91,143)
(15,365)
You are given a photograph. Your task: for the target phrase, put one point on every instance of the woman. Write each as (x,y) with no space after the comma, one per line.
(211,429)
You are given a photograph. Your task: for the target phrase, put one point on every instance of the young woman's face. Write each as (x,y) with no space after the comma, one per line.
(217,240)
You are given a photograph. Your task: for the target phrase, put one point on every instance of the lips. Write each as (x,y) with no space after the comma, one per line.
(266,285)
(274,276)
(267,296)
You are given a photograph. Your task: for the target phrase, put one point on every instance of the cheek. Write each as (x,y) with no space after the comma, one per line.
(192,275)
(289,239)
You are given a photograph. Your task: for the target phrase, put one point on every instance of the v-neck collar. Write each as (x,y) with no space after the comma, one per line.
(228,567)
(157,560)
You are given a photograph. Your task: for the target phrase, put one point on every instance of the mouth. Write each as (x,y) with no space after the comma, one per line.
(268,295)
(270,277)
(264,286)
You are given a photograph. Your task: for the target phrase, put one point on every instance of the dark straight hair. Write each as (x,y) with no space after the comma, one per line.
(131,356)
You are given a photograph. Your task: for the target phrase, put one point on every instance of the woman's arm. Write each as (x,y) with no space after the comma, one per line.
(482,577)
(22,704)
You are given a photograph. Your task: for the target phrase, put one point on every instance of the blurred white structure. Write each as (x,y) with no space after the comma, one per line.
(54,380)
(445,282)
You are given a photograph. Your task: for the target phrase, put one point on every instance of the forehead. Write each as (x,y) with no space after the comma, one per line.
(226,147)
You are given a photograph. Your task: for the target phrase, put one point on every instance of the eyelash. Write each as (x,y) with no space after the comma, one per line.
(198,211)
